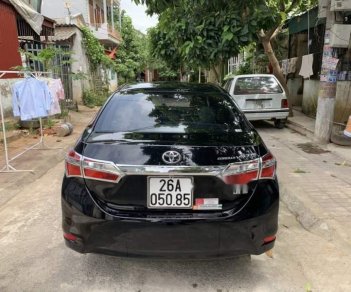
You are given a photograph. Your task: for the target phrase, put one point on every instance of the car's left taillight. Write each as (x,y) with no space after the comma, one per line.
(73,164)
(80,166)
(100,170)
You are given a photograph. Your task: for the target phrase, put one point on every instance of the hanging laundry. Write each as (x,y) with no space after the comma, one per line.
(285,65)
(292,65)
(57,93)
(31,99)
(306,66)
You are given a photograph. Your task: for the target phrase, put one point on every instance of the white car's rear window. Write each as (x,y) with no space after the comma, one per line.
(256,85)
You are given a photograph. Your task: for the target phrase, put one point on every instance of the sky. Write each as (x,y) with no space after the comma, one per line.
(141,21)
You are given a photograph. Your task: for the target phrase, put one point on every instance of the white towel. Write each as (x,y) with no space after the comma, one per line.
(306,66)
(292,65)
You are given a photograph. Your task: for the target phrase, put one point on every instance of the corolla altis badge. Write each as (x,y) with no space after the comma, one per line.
(171,157)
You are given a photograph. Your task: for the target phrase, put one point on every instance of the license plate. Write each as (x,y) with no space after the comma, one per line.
(263,104)
(170,192)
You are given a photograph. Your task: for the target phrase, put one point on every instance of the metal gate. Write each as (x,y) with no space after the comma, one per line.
(60,68)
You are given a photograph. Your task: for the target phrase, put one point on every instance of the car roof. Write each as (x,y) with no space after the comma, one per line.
(252,75)
(172,86)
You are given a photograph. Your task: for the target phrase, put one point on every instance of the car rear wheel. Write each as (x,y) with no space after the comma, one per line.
(279,123)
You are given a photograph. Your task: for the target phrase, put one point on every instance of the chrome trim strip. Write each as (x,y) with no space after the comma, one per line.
(266,111)
(171,170)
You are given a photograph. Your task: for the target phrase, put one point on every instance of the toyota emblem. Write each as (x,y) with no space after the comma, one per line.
(171,157)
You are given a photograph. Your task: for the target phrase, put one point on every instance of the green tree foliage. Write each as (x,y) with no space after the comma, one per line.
(208,32)
(166,61)
(130,55)
(95,51)
(200,35)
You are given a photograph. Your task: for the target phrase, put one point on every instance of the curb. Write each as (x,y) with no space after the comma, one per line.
(299,129)
(310,134)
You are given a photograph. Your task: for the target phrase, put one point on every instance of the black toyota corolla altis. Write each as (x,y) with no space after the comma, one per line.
(170,170)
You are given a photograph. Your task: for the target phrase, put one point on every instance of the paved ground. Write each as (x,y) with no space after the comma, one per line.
(34,258)
(38,160)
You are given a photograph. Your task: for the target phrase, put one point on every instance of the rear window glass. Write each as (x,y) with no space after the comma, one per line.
(140,111)
(256,85)
(227,85)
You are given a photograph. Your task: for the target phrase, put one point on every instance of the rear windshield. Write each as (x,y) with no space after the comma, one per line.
(256,85)
(140,111)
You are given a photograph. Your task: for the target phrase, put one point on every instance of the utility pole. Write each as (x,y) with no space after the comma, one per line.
(68,7)
(327,86)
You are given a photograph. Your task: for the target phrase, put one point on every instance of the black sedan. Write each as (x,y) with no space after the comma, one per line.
(170,170)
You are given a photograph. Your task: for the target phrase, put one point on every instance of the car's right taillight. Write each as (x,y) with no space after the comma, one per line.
(241,173)
(245,172)
(285,103)
(79,166)
(268,166)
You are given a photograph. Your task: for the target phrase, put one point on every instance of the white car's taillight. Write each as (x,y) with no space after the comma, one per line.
(245,172)
(284,103)
(88,168)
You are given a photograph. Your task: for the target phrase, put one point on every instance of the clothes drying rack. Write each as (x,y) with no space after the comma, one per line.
(8,168)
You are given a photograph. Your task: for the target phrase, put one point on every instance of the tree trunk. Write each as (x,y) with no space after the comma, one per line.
(324,119)
(276,69)
(326,95)
(215,72)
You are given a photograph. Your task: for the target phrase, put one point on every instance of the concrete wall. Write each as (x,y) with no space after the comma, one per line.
(342,109)
(113,83)
(310,97)
(80,64)
(295,89)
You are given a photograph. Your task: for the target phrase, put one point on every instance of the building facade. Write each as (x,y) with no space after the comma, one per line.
(98,15)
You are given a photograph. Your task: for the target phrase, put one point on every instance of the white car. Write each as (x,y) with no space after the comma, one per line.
(260,97)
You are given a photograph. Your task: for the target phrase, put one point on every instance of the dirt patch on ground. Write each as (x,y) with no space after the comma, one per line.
(311,148)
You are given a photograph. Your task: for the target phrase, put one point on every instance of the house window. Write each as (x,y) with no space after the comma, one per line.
(34,48)
(98,15)
(102,15)
(91,12)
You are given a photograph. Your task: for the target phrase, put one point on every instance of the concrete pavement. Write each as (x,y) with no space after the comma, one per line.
(315,183)
(38,160)
(33,257)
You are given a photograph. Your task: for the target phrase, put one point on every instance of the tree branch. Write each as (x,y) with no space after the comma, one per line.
(282,6)
(261,33)
(277,30)
(292,6)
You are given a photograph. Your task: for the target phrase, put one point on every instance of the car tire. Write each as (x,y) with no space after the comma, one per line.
(279,123)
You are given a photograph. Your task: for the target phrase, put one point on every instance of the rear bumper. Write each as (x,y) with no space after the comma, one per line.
(242,233)
(254,115)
